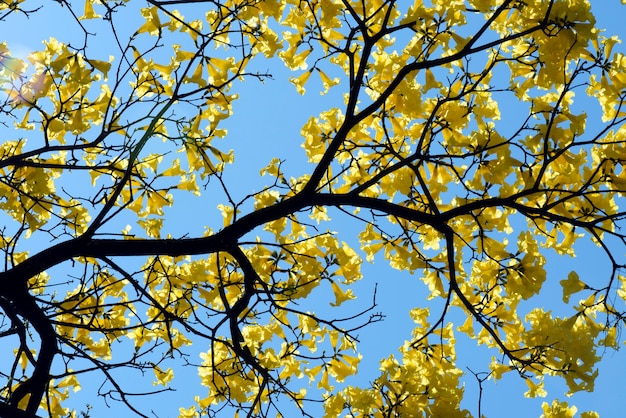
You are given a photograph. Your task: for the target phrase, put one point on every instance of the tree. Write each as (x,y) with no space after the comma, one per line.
(451,146)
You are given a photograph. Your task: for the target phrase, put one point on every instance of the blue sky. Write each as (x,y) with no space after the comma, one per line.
(267,119)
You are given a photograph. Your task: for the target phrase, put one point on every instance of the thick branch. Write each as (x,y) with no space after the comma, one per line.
(25,305)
